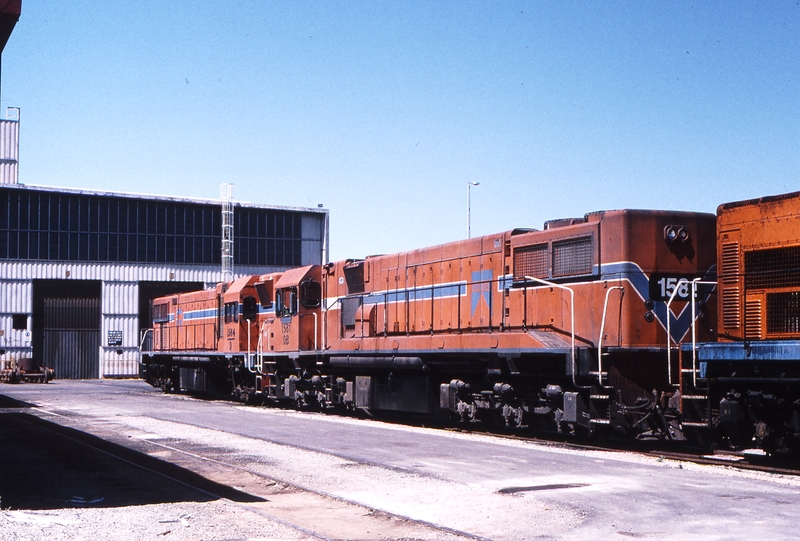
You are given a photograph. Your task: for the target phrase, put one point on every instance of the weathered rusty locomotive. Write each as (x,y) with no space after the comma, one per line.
(563,328)
(746,385)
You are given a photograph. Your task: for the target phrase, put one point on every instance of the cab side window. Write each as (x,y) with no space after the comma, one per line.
(286,302)
(231,312)
(249,308)
(310,294)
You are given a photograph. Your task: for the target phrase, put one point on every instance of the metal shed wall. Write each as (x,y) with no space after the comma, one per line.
(15,344)
(9,151)
(313,230)
(120,317)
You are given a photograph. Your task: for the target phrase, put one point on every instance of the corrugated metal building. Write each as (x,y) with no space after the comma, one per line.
(78,269)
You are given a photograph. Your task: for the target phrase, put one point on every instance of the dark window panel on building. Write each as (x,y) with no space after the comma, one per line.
(24,207)
(35,246)
(83,247)
(73,210)
(84,215)
(35,209)
(113,217)
(73,247)
(4,213)
(86,227)
(102,248)
(13,212)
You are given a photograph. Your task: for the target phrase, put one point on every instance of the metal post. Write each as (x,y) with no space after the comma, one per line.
(469,207)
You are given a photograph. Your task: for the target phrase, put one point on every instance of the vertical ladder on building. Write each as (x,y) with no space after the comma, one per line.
(226,194)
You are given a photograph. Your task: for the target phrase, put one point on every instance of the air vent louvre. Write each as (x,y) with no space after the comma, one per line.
(730,262)
(730,308)
(573,257)
(531,261)
(753,319)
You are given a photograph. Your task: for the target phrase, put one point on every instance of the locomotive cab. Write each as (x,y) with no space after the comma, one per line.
(240,311)
(298,299)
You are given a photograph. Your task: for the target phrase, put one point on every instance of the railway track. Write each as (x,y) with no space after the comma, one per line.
(750,461)
(273,499)
(265,476)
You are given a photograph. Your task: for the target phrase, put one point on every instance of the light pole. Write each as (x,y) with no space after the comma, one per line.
(469,207)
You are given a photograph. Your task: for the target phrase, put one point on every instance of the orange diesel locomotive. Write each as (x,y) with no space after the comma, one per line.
(564,327)
(748,383)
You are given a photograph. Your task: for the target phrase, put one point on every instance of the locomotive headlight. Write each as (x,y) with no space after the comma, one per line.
(673,233)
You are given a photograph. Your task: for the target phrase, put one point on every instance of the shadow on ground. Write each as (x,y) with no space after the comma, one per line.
(44,465)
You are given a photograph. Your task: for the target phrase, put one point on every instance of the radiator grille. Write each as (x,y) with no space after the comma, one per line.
(783,313)
(730,262)
(730,308)
(573,257)
(531,261)
(752,316)
(776,267)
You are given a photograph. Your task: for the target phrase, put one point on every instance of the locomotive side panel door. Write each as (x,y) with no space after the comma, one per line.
(230,326)
(401,296)
(309,315)
(286,305)
(179,328)
(426,284)
(446,297)
(248,329)
(412,310)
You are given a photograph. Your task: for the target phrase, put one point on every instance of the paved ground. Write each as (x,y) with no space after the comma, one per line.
(338,478)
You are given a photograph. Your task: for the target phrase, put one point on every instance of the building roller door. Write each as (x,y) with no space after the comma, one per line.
(71,337)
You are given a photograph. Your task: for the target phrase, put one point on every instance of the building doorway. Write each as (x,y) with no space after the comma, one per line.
(66,327)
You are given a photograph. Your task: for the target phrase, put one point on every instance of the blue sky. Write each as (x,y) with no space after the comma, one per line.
(383,111)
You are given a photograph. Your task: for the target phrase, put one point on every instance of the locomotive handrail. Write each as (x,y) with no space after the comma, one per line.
(694,283)
(260,347)
(144,333)
(249,363)
(669,333)
(602,330)
(572,320)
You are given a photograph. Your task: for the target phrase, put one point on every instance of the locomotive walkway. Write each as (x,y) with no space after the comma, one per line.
(118,460)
